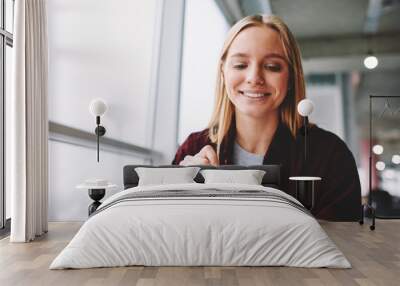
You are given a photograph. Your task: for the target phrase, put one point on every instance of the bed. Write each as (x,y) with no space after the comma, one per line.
(201,224)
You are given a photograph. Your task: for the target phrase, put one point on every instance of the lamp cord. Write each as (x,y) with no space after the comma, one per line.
(305,141)
(98,142)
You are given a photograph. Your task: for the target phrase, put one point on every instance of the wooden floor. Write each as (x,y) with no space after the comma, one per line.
(375,256)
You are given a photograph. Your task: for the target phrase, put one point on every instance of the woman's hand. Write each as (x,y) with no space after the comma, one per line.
(206,156)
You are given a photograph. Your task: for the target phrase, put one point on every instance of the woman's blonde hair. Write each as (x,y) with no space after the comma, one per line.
(223,113)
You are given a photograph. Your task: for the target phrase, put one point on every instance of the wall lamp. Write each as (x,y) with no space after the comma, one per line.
(370,61)
(97,108)
(305,108)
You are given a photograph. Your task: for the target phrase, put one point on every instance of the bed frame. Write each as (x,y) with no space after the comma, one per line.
(272,177)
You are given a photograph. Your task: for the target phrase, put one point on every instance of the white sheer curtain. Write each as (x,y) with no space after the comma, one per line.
(29,123)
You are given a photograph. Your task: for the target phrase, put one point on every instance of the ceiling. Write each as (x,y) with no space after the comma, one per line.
(334,37)
(327,30)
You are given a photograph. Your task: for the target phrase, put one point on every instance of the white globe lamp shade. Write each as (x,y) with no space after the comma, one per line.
(396,159)
(377,149)
(380,166)
(305,107)
(371,62)
(97,107)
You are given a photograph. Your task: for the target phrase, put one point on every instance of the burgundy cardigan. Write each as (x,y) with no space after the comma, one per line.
(338,195)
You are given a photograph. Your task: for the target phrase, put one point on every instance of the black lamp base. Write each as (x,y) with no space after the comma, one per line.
(100,130)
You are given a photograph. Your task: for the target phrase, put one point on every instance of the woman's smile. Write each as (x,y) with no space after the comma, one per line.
(254,94)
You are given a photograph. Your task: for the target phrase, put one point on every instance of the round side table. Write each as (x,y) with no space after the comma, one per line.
(305,188)
(96,193)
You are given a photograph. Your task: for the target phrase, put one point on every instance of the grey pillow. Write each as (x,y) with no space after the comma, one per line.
(162,176)
(249,177)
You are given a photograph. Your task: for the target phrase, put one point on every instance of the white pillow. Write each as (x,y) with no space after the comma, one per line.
(249,177)
(162,176)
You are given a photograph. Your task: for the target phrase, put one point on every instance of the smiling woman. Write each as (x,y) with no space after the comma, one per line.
(256,76)
(259,84)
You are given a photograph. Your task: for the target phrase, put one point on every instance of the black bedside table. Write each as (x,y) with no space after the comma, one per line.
(305,188)
(96,193)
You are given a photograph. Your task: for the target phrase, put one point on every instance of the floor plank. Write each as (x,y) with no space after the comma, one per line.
(374,255)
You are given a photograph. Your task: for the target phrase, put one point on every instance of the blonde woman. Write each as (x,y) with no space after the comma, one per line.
(260,81)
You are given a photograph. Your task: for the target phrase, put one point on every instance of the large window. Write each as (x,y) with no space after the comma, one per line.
(6,43)
(202,44)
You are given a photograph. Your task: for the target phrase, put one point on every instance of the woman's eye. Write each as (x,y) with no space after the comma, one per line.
(273,67)
(239,66)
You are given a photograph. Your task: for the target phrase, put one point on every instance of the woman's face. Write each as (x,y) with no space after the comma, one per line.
(256,72)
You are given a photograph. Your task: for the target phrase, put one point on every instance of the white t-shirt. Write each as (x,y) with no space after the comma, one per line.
(244,158)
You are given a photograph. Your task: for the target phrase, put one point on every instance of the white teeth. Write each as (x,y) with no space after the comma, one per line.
(254,95)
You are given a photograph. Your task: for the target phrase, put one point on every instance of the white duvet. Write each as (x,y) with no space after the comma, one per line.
(200,231)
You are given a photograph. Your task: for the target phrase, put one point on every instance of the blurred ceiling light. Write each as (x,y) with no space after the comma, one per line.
(380,166)
(371,62)
(396,159)
(377,149)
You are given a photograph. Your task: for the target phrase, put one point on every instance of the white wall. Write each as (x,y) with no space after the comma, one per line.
(98,48)
(102,48)
(204,34)
(328,111)
(70,165)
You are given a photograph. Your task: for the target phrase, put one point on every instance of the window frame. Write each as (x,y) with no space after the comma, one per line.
(6,39)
